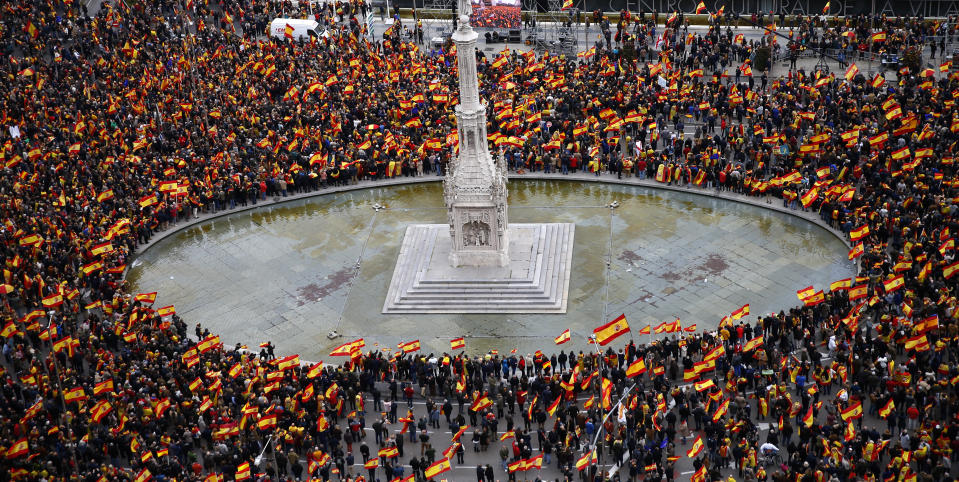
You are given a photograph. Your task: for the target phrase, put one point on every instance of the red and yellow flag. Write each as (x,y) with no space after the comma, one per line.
(612,330)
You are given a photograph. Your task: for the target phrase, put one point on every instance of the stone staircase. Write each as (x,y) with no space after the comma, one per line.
(536,281)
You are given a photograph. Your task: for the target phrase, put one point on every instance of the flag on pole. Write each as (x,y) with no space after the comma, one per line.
(612,330)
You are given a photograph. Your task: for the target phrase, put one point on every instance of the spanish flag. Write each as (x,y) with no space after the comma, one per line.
(52,301)
(704,385)
(586,460)
(612,330)
(105,195)
(145,475)
(815,299)
(901,153)
(18,449)
(606,390)
(887,408)
(809,197)
(288,362)
(74,395)
(741,312)
(753,344)
(842,284)
(551,409)
(480,403)
(347,348)
(267,422)
(437,468)
(858,292)
(147,298)
(697,447)
(147,201)
(700,8)
(853,411)
(851,71)
(162,406)
(636,368)
(562,338)
(893,284)
(242,471)
(721,410)
(100,410)
(879,139)
(950,271)
(877,81)
(715,353)
(410,346)
(808,419)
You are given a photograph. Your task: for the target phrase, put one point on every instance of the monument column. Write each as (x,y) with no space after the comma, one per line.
(475,191)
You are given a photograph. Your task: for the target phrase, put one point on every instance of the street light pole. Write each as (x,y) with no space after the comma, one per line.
(602,424)
(259,458)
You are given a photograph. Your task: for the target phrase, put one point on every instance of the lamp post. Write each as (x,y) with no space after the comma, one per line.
(259,458)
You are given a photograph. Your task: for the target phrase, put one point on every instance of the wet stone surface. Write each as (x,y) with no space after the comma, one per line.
(286,273)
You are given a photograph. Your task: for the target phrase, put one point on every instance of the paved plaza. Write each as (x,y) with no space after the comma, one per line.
(293,272)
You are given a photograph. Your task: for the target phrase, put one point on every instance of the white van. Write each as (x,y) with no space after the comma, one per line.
(302,29)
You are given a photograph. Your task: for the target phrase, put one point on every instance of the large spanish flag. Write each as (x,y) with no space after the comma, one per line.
(437,468)
(562,338)
(610,331)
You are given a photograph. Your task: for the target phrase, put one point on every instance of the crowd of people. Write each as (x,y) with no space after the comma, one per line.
(502,16)
(120,122)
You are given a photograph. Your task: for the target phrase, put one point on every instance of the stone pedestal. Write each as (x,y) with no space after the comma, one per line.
(536,279)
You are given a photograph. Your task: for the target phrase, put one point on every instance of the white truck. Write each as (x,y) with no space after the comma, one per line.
(300,29)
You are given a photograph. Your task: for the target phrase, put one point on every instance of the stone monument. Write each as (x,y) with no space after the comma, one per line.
(474,189)
(479,263)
